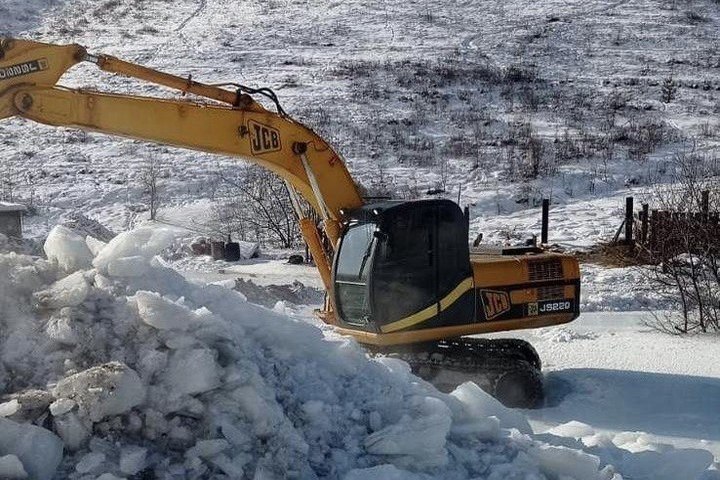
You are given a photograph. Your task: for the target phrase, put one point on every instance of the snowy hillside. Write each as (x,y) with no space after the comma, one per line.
(115,363)
(508,101)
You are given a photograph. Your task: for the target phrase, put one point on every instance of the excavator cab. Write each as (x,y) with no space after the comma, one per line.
(398,265)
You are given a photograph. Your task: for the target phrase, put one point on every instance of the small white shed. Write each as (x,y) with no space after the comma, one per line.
(11,219)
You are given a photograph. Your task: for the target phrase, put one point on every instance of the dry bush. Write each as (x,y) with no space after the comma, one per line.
(685,250)
(256,207)
(643,136)
(526,154)
(149,176)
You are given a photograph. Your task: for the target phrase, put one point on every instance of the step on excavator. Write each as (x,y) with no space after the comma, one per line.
(400,275)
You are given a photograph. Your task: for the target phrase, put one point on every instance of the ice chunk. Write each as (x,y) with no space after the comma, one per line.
(234,435)
(563,461)
(152,362)
(280,307)
(68,249)
(161,313)
(145,242)
(71,430)
(381,472)
(90,462)
(109,476)
(109,389)
(178,341)
(10,408)
(61,330)
(485,428)
(39,450)
(192,371)
(670,465)
(135,266)
(396,366)
(11,467)
(132,459)
(94,245)
(423,437)
(207,448)
(61,406)
(481,404)
(232,467)
(67,292)
(573,429)
(375,421)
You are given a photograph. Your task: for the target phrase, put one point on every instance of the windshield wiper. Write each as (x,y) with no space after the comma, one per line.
(366,255)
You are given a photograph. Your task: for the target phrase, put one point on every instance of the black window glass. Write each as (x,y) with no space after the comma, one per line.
(351,275)
(355,252)
(404,275)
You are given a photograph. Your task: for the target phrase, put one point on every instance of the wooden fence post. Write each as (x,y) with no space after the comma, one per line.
(654,220)
(705,205)
(629,220)
(644,223)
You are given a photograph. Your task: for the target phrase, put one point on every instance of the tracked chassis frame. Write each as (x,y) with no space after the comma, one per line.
(508,369)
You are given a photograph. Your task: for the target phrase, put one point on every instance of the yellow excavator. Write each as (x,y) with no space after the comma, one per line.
(400,275)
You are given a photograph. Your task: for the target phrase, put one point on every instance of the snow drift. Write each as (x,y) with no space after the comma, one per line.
(128,369)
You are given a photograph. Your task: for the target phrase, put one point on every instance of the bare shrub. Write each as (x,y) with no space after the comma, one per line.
(707,129)
(257,207)
(149,181)
(690,280)
(521,73)
(668,89)
(643,136)
(526,156)
(685,248)
(694,17)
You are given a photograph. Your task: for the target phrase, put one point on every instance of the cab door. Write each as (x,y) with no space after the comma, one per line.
(404,279)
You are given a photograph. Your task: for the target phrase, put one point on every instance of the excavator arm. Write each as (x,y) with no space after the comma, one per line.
(403,272)
(223,122)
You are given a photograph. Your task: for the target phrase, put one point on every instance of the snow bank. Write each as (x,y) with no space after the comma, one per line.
(634,454)
(153,376)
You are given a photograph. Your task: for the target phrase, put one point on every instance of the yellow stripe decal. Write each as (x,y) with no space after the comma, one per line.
(430,311)
(457,292)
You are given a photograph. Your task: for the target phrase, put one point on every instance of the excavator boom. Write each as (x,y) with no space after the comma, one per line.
(230,123)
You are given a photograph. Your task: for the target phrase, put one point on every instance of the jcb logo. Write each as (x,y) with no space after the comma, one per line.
(263,139)
(495,303)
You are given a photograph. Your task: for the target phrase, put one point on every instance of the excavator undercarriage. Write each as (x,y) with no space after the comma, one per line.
(508,369)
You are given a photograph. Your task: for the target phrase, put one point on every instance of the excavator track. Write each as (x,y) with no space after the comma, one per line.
(508,369)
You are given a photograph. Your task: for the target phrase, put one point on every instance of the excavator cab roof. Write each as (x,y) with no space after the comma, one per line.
(378,212)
